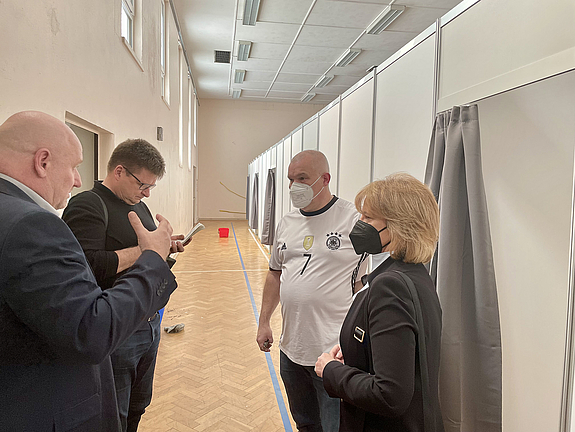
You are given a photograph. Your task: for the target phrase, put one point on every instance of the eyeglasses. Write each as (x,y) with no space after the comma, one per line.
(143,186)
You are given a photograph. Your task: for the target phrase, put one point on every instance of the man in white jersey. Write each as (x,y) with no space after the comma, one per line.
(310,272)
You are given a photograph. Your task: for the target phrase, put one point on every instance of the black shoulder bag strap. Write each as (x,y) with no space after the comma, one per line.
(104,207)
(428,412)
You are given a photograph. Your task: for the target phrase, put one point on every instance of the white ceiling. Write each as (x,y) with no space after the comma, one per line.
(274,73)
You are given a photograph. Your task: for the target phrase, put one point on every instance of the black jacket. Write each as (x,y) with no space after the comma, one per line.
(390,399)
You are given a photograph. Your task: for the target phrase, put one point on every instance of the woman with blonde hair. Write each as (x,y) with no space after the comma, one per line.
(386,370)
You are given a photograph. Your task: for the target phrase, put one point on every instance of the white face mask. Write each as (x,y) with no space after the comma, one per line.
(302,195)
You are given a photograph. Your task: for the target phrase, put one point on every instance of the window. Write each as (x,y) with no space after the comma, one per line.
(163,52)
(195,120)
(190,111)
(128,21)
(163,44)
(131,28)
(181,105)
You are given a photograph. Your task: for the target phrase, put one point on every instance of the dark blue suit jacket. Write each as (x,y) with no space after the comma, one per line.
(57,327)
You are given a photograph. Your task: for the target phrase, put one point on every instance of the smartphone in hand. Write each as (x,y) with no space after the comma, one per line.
(197,228)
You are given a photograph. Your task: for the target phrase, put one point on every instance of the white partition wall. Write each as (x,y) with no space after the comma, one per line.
(328,142)
(528,137)
(296,142)
(405,97)
(286,207)
(356,141)
(272,157)
(498,45)
(249,189)
(310,135)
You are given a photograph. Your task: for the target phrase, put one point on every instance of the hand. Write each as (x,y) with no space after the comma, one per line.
(177,246)
(336,353)
(322,360)
(264,337)
(158,241)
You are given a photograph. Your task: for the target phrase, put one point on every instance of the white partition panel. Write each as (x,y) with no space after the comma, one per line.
(250,187)
(272,157)
(528,137)
(498,45)
(356,137)
(329,142)
(286,207)
(404,111)
(310,135)
(279,180)
(296,142)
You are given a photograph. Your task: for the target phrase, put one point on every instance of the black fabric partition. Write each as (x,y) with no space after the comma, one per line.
(254,204)
(268,229)
(470,373)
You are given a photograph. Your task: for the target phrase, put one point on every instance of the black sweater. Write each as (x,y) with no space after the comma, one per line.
(85,216)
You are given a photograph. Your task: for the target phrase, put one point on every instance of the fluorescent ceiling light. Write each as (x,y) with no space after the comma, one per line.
(384,19)
(323,81)
(347,57)
(251,12)
(244,48)
(307,97)
(239,76)
(236,94)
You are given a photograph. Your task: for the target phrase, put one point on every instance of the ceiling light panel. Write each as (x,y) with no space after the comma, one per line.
(347,57)
(244,48)
(307,97)
(251,8)
(384,19)
(239,76)
(323,81)
(236,94)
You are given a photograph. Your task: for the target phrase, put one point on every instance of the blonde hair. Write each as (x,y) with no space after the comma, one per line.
(411,212)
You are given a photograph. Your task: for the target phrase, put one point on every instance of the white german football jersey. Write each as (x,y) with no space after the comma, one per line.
(316,258)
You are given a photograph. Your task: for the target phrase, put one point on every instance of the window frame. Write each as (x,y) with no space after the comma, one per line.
(128,11)
(163,56)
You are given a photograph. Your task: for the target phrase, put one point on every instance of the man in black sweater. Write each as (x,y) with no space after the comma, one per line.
(99,220)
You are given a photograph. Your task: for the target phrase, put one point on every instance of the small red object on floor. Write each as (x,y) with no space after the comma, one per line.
(224,232)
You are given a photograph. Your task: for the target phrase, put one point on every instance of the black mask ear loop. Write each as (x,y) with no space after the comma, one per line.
(356,271)
(387,244)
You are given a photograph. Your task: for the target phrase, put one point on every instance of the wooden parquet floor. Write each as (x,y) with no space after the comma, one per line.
(212,376)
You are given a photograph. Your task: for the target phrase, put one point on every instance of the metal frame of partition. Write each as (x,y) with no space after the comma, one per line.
(569,359)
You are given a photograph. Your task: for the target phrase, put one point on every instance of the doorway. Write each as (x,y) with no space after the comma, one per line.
(88,169)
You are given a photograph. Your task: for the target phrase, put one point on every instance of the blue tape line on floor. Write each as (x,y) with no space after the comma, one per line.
(276,384)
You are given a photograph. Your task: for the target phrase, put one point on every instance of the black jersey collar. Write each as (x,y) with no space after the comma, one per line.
(321,210)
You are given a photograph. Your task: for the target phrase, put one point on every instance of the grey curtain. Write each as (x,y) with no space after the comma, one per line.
(268,229)
(254,200)
(470,373)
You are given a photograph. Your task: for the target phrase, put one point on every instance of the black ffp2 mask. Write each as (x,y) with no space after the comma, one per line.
(365,238)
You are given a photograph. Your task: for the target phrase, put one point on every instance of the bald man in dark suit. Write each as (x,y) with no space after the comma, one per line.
(57,327)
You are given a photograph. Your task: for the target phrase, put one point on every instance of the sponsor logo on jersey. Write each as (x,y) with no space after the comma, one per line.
(307,242)
(333,241)
(284,247)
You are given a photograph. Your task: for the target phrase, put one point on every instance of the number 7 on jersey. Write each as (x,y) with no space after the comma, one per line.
(308,255)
